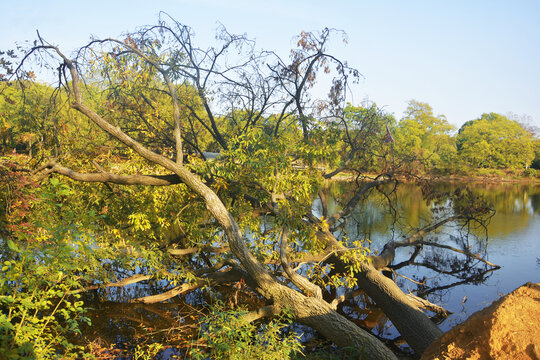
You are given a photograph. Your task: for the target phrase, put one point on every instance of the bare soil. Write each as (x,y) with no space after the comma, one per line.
(507,329)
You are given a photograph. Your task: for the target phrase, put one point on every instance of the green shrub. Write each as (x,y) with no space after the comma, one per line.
(37,310)
(488,172)
(530,173)
(227,335)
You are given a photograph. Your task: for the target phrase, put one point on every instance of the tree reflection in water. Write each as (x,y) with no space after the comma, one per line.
(429,266)
(456,254)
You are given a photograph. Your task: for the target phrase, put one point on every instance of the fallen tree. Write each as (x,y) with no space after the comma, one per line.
(157,101)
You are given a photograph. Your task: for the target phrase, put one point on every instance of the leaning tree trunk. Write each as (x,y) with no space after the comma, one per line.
(318,314)
(311,311)
(413,325)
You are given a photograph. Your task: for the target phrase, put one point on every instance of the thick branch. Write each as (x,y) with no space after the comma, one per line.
(342,298)
(426,304)
(179,290)
(152,180)
(219,277)
(264,312)
(298,280)
(387,255)
(340,168)
(194,250)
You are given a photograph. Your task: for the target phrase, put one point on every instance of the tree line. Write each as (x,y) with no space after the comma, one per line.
(421,141)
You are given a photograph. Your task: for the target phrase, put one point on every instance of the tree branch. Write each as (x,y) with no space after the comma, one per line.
(127,281)
(265,311)
(379,180)
(387,255)
(298,280)
(427,305)
(105,177)
(464,252)
(194,250)
(215,278)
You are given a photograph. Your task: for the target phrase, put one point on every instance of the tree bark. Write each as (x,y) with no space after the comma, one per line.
(318,315)
(415,327)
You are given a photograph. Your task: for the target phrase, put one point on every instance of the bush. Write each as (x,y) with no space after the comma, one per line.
(37,311)
(530,173)
(488,172)
(43,259)
(227,335)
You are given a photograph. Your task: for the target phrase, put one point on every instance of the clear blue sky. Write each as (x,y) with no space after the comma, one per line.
(462,57)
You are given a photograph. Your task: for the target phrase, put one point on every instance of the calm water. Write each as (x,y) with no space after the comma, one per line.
(512,242)
(512,239)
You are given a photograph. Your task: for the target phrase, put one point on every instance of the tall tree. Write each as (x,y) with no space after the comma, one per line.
(425,137)
(495,141)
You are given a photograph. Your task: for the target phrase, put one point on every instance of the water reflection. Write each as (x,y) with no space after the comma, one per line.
(460,284)
(515,205)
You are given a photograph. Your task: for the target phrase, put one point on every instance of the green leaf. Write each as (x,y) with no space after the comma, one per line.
(12,246)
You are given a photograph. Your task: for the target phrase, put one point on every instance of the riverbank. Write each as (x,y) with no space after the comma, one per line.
(457,178)
(507,329)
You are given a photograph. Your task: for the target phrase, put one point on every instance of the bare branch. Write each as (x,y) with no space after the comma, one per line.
(105,177)
(300,281)
(387,255)
(211,279)
(379,180)
(464,252)
(127,281)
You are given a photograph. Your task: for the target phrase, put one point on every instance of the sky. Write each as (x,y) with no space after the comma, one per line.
(463,58)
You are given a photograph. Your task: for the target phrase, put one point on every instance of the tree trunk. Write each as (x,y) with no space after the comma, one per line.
(318,315)
(415,327)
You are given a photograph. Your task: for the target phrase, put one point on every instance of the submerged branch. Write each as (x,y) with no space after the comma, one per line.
(474,278)
(215,278)
(127,281)
(389,251)
(464,252)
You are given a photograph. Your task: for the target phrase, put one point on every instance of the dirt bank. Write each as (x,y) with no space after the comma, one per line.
(507,329)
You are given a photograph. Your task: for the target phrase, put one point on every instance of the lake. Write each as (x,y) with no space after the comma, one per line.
(510,240)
